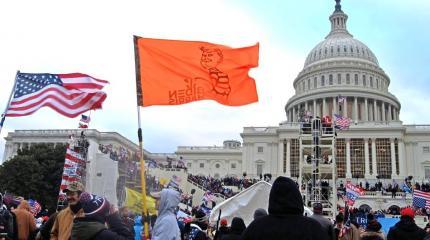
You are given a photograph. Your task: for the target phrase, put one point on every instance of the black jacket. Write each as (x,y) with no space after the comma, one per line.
(89,229)
(406,229)
(236,229)
(45,231)
(285,220)
(221,232)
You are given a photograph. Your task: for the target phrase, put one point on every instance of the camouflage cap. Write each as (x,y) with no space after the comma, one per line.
(74,187)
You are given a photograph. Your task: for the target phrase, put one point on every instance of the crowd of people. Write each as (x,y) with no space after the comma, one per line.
(88,216)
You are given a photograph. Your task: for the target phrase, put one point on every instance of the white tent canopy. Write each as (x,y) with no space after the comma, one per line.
(245,203)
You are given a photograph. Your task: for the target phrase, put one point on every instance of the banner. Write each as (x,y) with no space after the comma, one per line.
(133,201)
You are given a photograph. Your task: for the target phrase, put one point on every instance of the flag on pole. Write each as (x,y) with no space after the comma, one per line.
(83,125)
(68,94)
(35,207)
(421,199)
(73,161)
(341,122)
(85,118)
(171,72)
(133,200)
(352,193)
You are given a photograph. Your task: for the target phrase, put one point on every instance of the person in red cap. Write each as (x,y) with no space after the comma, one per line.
(406,229)
(223,229)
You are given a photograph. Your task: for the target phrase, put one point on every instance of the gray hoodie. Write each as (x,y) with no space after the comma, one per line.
(166,226)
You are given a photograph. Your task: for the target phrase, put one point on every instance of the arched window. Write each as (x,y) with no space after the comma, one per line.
(364,80)
(356,79)
(348,80)
(371,82)
(377,83)
(339,78)
(315,82)
(322,81)
(330,79)
(309,83)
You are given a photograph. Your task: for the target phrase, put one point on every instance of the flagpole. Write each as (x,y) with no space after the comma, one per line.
(3,118)
(145,215)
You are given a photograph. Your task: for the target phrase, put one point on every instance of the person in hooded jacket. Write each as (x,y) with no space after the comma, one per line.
(97,213)
(166,227)
(406,229)
(285,220)
(236,229)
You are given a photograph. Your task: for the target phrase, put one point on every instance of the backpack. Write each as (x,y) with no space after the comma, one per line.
(6,224)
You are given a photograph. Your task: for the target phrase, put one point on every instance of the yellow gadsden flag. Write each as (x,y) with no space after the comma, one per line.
(133,201)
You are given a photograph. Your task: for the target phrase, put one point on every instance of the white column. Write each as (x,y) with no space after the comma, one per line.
(334,107)
(324,108)
(374,165)
(288,168)
(348,158)
(393,159)
(366,111)
(366,159)
(375,111)
(294,115)
(383,111)
(345,105)
(390,118)
(306,106)
(394,114)
(355,109)
(281,157)
(315,108)
(402,160)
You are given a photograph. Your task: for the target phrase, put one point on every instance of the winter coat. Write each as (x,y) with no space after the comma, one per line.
(63,224)
(223,230)
(406,229)
(236,229)
(25,220)
(326,224)
(369,235)
(90,229)
(285,220)
(166,227)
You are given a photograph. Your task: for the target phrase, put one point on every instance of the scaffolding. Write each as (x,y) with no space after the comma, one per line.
(317,165)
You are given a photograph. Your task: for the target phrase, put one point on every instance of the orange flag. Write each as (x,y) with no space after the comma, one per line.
(170,72)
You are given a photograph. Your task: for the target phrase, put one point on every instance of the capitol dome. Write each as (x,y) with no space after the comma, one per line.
(340,45)
(342,66)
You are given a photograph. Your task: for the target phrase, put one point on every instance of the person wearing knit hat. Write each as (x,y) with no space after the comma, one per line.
(373,231)
(406,228)
(97,213)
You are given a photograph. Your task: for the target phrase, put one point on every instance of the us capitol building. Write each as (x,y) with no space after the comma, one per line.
(377,145)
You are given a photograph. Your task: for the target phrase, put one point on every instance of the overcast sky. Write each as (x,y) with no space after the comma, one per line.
(95,37)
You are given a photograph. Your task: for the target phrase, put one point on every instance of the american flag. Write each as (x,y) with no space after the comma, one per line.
(35,207)
(342,122)
(85,118)
(68,94)
(71,165)
(421,199)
